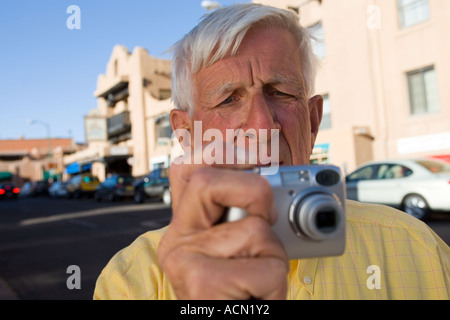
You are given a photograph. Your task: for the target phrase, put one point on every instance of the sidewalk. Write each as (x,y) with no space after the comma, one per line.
(6,293)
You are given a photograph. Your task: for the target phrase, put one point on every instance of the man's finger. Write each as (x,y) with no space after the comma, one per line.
(211,190)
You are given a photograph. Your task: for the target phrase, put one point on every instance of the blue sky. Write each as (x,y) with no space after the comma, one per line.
(49,72)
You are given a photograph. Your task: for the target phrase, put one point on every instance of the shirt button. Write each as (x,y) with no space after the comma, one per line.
(307,280)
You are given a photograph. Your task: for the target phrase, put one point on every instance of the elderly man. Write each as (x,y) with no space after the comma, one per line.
(251,67)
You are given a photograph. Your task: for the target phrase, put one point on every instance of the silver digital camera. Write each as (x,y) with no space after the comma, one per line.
(311,210)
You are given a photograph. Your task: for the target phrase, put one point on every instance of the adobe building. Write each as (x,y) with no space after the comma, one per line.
(129,131)
(384,76)
(24,160)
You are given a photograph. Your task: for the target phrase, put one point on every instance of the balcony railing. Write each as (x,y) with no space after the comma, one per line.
(119,125)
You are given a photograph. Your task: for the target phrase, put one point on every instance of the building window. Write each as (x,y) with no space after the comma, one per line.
(423,91)
(318,41)
(165,94)
(163,130)
(320,154)
(326,114)
(412,12)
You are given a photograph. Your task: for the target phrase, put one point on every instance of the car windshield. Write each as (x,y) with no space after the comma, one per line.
(434,166)
(88,179)
(125,180)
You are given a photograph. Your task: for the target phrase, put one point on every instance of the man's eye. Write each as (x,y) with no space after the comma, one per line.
(282,95)
(279,93)
(228,100)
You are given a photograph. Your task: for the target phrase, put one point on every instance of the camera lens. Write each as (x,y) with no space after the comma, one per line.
(326,220)
(317,216)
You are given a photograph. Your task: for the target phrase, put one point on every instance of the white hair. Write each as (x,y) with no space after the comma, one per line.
(220,34)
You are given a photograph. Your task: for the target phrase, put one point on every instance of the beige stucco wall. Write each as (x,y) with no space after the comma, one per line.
(145,105)
(364,73)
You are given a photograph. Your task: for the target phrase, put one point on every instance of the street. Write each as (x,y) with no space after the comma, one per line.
(41,237)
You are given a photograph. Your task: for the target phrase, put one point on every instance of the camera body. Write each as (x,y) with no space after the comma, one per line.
(311,210)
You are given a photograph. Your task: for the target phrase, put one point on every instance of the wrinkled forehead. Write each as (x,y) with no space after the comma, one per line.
(273,51)
(211,50)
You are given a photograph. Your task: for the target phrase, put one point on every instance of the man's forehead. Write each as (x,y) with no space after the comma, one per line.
(261,58)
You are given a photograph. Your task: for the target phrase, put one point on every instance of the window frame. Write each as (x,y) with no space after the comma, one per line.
(328,115)
(401,12)
(413,107)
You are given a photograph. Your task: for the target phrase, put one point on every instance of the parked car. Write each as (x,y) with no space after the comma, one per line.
(35,188)
(28,189)
(116,186)
(58,189)
(41,188)
(417,186)
(155,184)
(82,185)
(9,191)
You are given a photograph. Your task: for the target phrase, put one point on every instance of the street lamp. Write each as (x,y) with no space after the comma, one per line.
(49,141)
(210,5)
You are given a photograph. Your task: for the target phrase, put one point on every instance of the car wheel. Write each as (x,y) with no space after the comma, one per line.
(111,197)
(77,194)
(97,197)
(167,197)
(138,196)
(416,206)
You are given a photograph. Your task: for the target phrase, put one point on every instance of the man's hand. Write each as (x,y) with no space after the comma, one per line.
(206,260)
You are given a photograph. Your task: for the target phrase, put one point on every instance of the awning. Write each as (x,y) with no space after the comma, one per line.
(5,175)
(445,157)
(73,168)
(86,167)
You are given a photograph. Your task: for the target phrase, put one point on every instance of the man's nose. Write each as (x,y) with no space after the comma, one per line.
(261,115)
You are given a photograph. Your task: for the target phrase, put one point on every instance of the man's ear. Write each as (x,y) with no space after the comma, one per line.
(182,128)
(315,116)
(180,119)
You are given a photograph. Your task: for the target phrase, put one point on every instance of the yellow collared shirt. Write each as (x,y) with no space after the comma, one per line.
(388,255)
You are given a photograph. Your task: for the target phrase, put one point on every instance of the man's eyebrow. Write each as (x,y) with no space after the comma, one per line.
(222,89)
(229,87)
(282,79)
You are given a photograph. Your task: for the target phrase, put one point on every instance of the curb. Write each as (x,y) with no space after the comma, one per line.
(6,292)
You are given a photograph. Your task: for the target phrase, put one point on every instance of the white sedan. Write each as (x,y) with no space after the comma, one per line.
(417,186)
